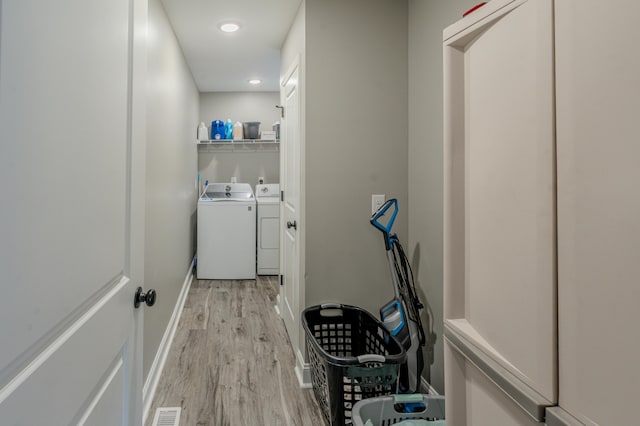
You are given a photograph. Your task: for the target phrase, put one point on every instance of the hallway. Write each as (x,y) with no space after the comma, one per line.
(231,362)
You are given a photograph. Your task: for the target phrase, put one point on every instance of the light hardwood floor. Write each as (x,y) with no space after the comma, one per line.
(231,362)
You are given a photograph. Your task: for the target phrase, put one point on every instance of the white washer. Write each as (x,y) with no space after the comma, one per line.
(227,232)
(268,197)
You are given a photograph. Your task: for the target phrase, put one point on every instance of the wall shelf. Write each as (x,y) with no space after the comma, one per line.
(238,141)
(241,145)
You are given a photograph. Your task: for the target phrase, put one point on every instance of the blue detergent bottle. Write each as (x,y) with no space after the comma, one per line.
(228,129)
(217,130)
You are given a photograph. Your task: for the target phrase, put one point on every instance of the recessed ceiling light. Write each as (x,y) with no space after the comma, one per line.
(229,27)
(255,81)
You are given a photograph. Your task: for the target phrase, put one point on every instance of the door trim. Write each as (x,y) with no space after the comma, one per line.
(136,178)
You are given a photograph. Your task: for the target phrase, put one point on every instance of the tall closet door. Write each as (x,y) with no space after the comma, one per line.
(500,274)
(598,114)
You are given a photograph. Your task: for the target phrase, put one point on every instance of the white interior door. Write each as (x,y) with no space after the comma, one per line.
(290,222)
(500,270)
(71,242)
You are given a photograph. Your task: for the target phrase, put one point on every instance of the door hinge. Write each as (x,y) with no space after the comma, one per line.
(281,195)
(281,279)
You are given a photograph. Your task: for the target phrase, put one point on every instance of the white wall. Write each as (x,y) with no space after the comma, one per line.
(427,19)
(172,116)
(246,163)
(240,106)
(356,145)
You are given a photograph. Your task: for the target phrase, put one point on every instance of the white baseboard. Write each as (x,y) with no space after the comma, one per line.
(303,371)
(150,385)
(426,387)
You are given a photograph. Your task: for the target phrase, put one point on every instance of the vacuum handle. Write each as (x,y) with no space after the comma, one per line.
(386,229)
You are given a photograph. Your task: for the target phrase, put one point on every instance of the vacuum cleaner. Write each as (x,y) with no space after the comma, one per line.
(401,316)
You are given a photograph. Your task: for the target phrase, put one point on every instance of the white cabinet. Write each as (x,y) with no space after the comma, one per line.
(598,113)
(500,275)
(542,101)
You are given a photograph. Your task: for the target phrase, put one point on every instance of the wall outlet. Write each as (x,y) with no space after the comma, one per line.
(377,200)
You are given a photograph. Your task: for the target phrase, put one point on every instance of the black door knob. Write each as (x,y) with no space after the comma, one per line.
(149,297)
(293,225)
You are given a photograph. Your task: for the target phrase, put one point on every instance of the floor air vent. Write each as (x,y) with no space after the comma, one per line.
(167,416)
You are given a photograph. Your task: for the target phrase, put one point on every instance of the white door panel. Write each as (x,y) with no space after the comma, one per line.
(290,184)
(484,403)
(106,407)
(65,362)
(54,235)
(500,271)
(291,308)
(69,225)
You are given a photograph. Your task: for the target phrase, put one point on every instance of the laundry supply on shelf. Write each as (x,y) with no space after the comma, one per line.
(217,129)
(203,133)
(237,131)
(228,129)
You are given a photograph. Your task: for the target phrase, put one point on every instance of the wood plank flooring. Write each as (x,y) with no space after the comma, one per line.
(231,362)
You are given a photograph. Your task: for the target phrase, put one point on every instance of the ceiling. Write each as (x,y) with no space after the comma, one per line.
(224,62)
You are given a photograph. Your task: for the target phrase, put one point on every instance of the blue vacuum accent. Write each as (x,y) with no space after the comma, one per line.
(401,315)
(386,229)
(394,306)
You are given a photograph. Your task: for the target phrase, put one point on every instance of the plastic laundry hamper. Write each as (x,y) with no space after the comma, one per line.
(390,410)
(352,357)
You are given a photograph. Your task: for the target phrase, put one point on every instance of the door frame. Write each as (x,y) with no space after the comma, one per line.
(137,185)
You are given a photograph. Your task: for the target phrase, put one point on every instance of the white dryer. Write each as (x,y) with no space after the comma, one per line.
(227,232)
(268,238)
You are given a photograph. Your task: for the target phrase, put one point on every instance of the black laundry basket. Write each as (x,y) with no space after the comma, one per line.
(352,357)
